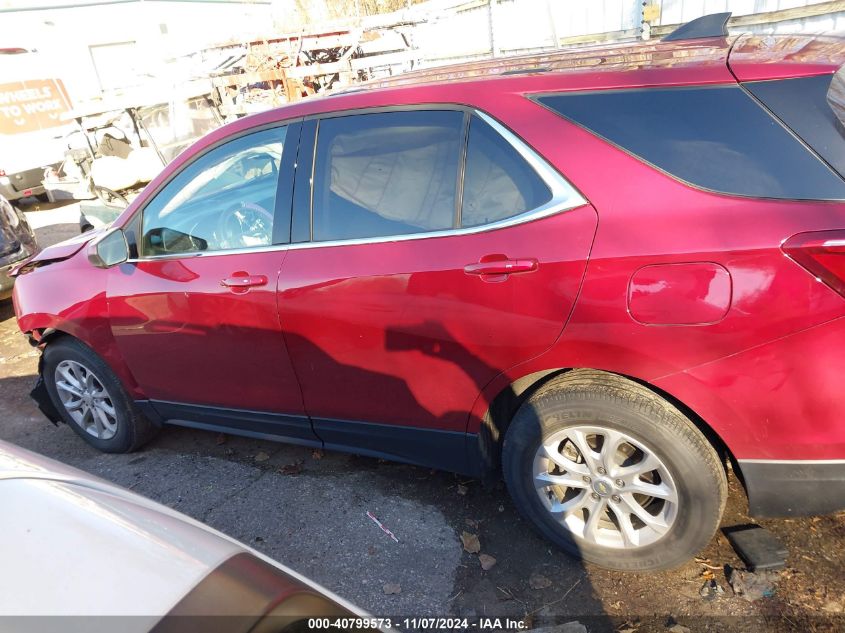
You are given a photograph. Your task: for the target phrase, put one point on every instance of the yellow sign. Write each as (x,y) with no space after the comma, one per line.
(651,12)
(35,104)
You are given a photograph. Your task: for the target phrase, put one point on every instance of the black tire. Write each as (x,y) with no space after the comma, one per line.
(133,429)
(592,398)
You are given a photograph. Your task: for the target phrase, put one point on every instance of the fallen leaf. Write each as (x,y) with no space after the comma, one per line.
(317,454)
(291,469)
(539,581)
(487,561)
(462,489)
(392,588)
(832,606)
(262,456)
(221,439)
(470,542)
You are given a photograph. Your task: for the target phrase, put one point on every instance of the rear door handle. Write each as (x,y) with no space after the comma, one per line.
(502,267)
(244,281)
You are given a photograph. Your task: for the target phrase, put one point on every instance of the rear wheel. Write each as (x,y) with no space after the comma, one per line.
(612,473)
(91,400)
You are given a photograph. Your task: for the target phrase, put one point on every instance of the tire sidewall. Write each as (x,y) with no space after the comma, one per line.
(698,494)
(63,350)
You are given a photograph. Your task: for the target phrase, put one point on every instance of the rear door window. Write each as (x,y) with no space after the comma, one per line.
(716,138)
(387,173)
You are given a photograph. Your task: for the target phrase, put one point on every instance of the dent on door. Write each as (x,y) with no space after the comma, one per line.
(398,333)
(193,333)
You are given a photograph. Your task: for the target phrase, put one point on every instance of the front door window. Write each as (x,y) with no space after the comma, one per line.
(224,200)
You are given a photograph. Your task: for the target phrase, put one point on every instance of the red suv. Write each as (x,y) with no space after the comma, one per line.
(606,272)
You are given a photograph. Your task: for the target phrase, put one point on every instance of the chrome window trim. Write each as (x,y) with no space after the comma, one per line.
(564,198)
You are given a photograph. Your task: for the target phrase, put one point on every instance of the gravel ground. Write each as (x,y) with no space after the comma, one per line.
(308,510)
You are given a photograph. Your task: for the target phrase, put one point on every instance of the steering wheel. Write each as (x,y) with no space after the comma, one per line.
(247,224)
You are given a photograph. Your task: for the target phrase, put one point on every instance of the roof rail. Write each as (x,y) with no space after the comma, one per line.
(713,25)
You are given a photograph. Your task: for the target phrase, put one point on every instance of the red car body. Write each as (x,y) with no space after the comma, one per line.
(398,349)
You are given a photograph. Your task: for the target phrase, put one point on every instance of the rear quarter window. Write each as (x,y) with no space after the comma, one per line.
(715,138)
(807,105)
(498,182)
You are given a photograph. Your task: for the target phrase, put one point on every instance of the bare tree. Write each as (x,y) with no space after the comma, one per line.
(300,13)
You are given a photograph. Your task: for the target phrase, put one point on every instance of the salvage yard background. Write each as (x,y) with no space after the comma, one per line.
(103,48)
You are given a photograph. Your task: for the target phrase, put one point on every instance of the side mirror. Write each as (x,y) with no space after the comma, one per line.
(109,249)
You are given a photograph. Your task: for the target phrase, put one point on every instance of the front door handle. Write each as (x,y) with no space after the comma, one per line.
(244,281)
(501,266)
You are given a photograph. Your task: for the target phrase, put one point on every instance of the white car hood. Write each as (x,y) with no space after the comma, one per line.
(75,545)
(72,544)
(74,550)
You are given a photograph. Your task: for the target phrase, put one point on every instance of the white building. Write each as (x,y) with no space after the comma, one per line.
(98,46)
(103,46)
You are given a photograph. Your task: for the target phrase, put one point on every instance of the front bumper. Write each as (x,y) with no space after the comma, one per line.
(794,488)
(42,398)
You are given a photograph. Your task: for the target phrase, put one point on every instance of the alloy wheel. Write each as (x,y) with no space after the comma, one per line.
(86,399)
(605,487)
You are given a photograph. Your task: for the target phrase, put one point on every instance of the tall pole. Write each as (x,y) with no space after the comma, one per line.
(491,12)
(552,23)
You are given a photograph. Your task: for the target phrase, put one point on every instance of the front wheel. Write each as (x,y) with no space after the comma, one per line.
(612,473)
(91,400)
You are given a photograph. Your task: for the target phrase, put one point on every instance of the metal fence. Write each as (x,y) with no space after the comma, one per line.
(454,30)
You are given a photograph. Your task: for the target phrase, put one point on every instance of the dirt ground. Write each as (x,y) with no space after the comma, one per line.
(309,510)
